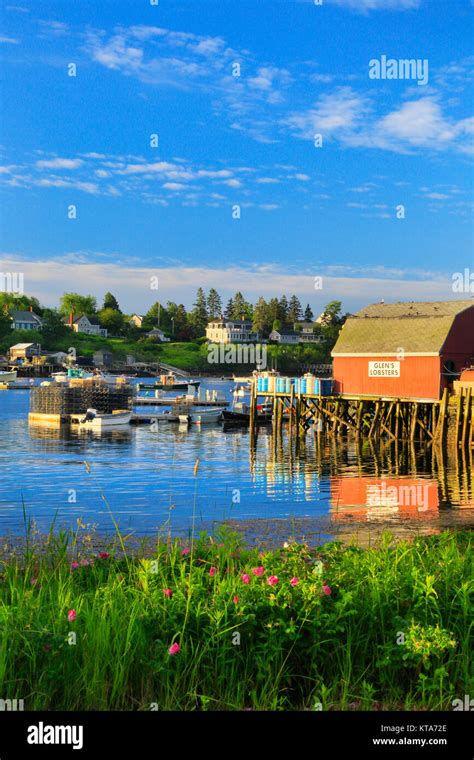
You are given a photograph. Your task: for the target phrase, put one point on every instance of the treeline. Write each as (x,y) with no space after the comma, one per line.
(173,319)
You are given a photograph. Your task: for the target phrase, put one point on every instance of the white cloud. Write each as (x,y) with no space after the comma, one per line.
(376,5)
(60,163)
(333,112)
(9,41)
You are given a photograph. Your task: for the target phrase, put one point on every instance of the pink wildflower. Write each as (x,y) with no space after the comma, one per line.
(212,571)
(185,551)
(236,600)
(104,555)
(74,565)
(272,580)
(174,648)
(71,615)
(294,582)
(258,570)
(245,578)
(327,590)
(168,592)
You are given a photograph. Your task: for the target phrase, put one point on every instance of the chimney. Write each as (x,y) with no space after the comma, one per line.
(71,318)
(30,308)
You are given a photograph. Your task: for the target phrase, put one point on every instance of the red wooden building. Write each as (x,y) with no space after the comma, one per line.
(404,350)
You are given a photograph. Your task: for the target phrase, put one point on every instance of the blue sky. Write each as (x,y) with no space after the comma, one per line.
(226,140)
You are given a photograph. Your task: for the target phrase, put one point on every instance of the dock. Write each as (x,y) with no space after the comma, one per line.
(145,401)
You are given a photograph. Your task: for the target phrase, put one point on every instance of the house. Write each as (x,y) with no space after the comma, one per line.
(231,331)
(157,334)
(307,332)
(25,320)
(103,358)
(23,352)
(136,320)
(285,336)
(404,350)
(88,325)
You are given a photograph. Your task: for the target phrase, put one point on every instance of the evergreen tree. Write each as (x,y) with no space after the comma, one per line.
(229,309)
(199,316)
(273,310)
(294,311)
(214,304)
(261,321)
(284,308)
(110,302)
(308,314)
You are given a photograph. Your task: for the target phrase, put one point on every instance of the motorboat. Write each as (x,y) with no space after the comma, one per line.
(240,414)
(8,377)
(93,420)
(202,416)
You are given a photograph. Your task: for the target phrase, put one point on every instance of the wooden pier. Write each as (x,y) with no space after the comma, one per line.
(146,401)
(449,420)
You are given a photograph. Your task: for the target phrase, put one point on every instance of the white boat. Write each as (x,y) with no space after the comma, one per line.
(93,420)
(8,377)
(202,416)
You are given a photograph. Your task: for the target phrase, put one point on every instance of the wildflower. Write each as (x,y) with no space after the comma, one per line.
(258,570)
(71,615)
(85,562)
(33,581)
(168,593)
(212,571)
(327,590)
(185,551)
(272,580)
(74,565)
(245,578)
(174,648)
(294,582)
(236,600)
(104,555)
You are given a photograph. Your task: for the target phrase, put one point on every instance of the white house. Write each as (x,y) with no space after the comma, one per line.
(285,336)
(158,334)
(86,325)
(307,334)
(231,331)
(25,320)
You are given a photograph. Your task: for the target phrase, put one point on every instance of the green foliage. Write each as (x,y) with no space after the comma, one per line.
(112,320)
(110,302)
(386,627)
(78,304)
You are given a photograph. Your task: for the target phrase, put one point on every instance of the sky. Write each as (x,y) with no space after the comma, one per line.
(246,145)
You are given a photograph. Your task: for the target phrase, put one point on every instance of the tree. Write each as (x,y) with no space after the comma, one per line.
(5,325)
(214,304)
(331,315)
(308,314)
(199,316)
(53,326)
(283,309)
(294,310)
(156,316)
(241,308)
(110,302)
(179,322)
(261,321)
(229,309)
(13,302)
(273,310)
(78,304)
(112,320)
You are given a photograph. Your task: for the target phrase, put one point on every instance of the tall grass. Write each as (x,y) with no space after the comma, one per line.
(394,631)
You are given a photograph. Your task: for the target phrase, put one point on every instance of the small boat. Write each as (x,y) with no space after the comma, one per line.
(202,416)
(240,414)
(93,420)
(8,377)
(169,382)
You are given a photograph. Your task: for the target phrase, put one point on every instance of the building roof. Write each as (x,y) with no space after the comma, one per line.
(21,346)
(287,331)
(391,328)
(24,316)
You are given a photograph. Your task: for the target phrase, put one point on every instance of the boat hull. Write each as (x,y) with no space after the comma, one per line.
(8,377)
(102,421)
(168,386)
(201,418)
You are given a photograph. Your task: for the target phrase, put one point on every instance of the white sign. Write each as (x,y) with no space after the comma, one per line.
(384,369)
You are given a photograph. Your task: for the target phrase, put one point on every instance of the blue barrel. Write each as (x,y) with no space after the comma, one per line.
(288,384)
(303,385)
(317,385)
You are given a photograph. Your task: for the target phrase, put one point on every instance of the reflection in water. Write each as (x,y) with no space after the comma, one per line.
(147,479)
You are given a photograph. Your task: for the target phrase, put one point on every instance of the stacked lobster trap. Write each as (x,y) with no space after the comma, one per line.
(57,401)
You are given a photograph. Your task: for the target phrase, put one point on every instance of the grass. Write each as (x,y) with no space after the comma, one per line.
(394,633)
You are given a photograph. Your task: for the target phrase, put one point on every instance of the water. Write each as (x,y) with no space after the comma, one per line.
(146,480)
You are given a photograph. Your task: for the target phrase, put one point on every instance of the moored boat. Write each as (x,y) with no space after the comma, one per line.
(93,420)
(202,416)
(8,377)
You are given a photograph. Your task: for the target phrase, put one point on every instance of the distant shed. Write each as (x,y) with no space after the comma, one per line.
(404,350)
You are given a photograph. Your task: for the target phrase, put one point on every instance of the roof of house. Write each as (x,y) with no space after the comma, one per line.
(21,346)
(391,328)
(92,320)
(287,331)
(155,330)
(305,324)
(24,316)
